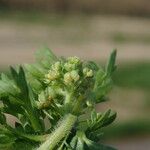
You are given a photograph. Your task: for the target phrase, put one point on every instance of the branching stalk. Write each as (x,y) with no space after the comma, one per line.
(63,129)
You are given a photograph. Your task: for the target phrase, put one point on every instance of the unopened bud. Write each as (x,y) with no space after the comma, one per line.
(68,78)
(56,66)
(74,60)
(88,72)
(52,75)
(75,76)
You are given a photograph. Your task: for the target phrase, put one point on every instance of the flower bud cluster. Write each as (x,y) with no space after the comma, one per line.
(66,75)
(69,72)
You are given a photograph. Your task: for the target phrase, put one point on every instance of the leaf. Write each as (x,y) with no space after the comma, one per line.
(81,142)
(36,85)
(45,57)
(2,118)
(7,87)
(32,96)
(99,77)
(98,121)
(20,81)
(15,101)
(92,65)
(74,141)
(110,67)
(77,143)
(12,109)
(6,139)
(35,70)
(102,90)
(110,119)
(23,145)
(80,145)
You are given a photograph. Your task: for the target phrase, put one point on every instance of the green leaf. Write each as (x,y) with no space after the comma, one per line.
(6,139)
(36,85)
(15,101)
(7,87)
(110,67)
(2,118)
(81,142)
(99,78)
(80,145)
(35,70)
(98,121)
(103,89)
(74,141)
(45,57)
(20,81)
(23,145)
(110,119)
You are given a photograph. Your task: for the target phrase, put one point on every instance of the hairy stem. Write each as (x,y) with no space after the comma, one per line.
(63,129)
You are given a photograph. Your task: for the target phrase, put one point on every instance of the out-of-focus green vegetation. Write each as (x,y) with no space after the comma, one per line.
(127,38)
(133,75)
(32,17)
(141,8)
(126,129)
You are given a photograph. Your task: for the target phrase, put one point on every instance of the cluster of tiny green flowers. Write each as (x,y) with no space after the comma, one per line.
(68,71)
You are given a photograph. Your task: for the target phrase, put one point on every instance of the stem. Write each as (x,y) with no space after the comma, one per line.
(77,105)
(63,129)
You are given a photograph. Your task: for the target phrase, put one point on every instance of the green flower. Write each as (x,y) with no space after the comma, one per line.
(67,78)
(56,66)
(52,75)
(72,63)
(72,76)
(69,66)
(88,72)
(74,60)
(75,76)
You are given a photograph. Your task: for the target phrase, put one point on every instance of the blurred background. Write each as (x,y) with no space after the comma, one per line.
(90,30)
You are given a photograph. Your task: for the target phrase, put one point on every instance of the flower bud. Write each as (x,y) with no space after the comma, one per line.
(70,77)
(69,66)
(67,78)
(88,72)
(74,60)
(52,75)
(56,66)
(74,75)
